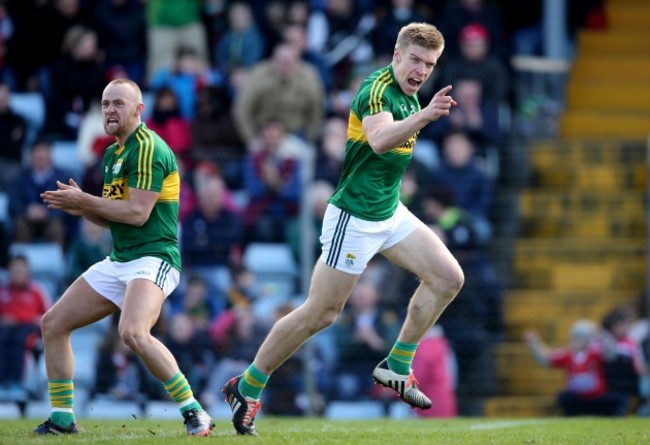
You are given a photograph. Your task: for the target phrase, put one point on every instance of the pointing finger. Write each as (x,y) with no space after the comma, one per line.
(444,91)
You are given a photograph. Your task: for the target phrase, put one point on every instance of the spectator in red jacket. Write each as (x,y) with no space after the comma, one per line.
(583,360)
(22,304)
(166,120)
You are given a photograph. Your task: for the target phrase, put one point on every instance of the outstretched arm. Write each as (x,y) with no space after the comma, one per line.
(384,133)
(537,347)
(70,198)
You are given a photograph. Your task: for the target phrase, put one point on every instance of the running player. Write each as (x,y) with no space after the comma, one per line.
(365,217)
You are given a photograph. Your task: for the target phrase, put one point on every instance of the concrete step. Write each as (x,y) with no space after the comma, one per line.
(511,359)
(553,213)
(551,312)
(624,70)
(614,43)
(554,203)
(628,16)
(582,227)
(608,96)
(629,275)
(594,123)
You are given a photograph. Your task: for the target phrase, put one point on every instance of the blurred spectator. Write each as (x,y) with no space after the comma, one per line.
(331,150)
(473,115)
(296,35)
(92,140)
(271,16)
(475,62)
(288,388)
(582,360)
(340,98)
(458,14)
(187,76)
(92,244)
(215,137)
(32,220)
(13,131)
(191,345)
(197,303)
(211,237)
(640,333)
(399,13)
(187,200)
(522,23)
(22,304)
(173,25)
(272,180)
(243,44)
(364,333)
(457,227)
(414,182)
(78,79)
(298,12)
(236,336)
(435,364)
(40,27)
(341,32)
(282,88)
(166,120)
(122,31)
(242,291)
(624,370)
(318,194)
(6,32)
(470,185)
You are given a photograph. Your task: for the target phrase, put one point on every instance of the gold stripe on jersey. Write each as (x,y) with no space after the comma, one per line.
(118,189)
(407,147)
(355,129)
(170,188)
(377,90)
(145,159)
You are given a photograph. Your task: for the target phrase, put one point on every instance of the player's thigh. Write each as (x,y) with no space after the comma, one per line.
(423,253)
(80,305)
(330,289)
(142,305)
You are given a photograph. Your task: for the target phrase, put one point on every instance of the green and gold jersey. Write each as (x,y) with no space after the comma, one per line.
(144,162)
(370,183)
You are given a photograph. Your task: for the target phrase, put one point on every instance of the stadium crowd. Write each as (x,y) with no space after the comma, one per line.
(242,91)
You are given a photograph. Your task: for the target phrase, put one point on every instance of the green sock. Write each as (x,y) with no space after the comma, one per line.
(252,382)
(401,357)
(179,390)
(61,398)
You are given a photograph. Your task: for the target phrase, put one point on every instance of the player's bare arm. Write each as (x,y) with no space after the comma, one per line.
(384,133)
(134,211)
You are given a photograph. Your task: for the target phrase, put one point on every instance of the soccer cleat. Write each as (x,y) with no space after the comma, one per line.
(404,385)
(243,408)
(198,423)
(48,427)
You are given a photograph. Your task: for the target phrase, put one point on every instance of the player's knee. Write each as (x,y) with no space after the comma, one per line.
(454,281)
(446,283)
(50,324)
(324,320)
(329,317)
(133,337)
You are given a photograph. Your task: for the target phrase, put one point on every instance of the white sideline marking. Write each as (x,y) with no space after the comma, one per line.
(506,424)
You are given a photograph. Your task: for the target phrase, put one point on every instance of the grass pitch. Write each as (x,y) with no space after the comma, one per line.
(316,431)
